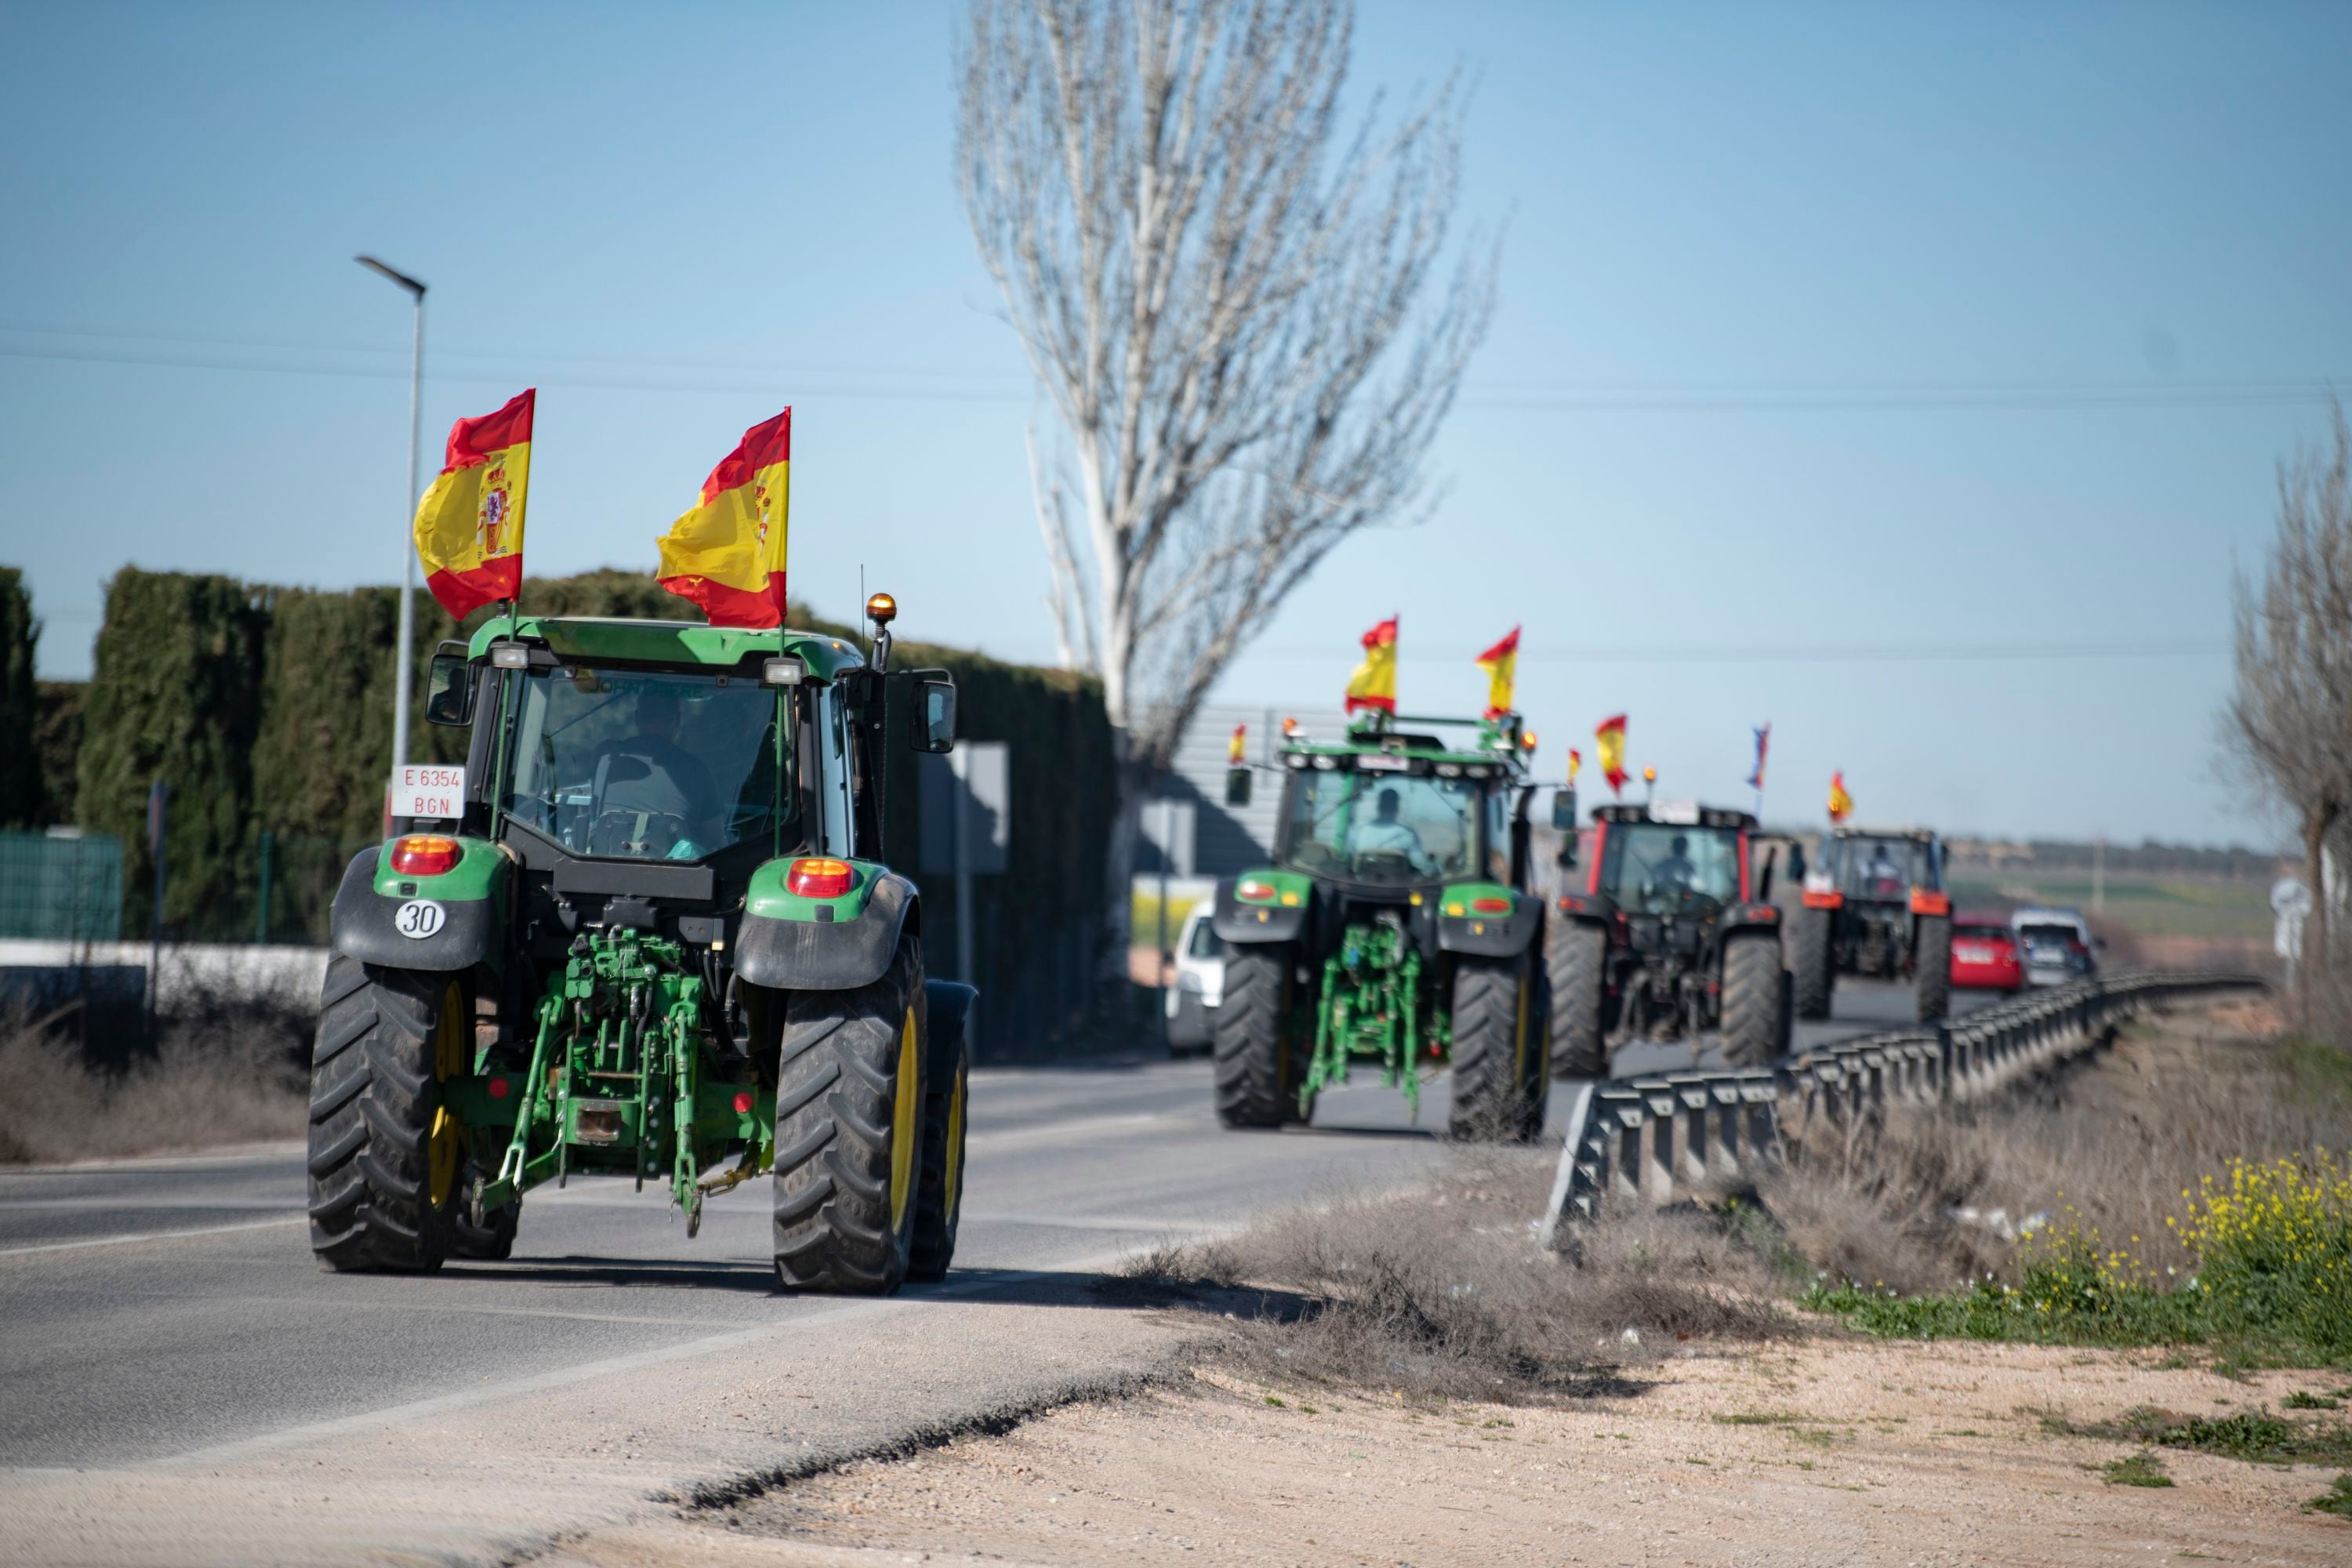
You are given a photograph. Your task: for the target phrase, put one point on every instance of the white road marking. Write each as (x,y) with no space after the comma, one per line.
(153,1236)
(445,1404)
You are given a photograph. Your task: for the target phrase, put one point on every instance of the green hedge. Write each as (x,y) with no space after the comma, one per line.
(20,764)
(268,711)
(57,736)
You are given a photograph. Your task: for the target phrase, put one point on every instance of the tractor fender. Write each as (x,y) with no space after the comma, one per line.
(1253,924)
(1739,918)
(828,955)
(366,924)
(1492,936)
(1596,909)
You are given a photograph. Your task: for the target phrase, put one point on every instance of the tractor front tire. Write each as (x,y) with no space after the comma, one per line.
(1576,953)
(1815,972)
(1251,1039)
(493,1240)
(849,1115)
(939,1199)
(386,1160)
(1500,1077)
(1931,966)
(1751,998)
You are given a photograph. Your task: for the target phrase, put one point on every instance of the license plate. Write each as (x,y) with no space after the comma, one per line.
(1973,954)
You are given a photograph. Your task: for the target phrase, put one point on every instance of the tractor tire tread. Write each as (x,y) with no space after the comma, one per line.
(1247,1041)
(372,1101)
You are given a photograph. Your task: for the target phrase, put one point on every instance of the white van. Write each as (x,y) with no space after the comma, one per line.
(1200,981)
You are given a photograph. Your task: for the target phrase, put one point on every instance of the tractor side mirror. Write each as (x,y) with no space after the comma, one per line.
(1563,815)
(449,690)
(1796,862)
(934,716)
(1237,786)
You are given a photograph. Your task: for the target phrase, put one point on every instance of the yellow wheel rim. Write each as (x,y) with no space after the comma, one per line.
(445,1150)
(903,1122)
(954,1173)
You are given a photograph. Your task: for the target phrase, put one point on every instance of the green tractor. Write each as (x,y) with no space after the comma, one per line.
(1395,930)
(646,931)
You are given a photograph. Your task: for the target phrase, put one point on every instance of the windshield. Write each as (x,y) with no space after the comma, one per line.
(1884,867)
(649,766)
(1656,868)
(1389,828)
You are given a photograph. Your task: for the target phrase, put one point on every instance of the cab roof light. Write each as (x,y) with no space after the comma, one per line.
(881,609)
(817,877)
(426,855)
(1289,728)
(785,671)
(510,656)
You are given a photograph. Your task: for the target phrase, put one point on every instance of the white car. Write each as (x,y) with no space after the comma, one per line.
(1200,981)
(2056,945)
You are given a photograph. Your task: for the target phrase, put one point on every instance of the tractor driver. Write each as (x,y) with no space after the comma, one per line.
(649,776)
(1881,872)
(1387,834)
(1676,873)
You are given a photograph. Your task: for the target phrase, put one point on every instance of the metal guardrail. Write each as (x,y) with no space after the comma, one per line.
(1644,1140)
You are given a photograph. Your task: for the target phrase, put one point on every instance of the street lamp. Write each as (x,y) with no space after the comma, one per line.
(401,678)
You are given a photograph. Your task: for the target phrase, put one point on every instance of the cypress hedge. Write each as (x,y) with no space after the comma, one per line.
(20,766)
(57,736)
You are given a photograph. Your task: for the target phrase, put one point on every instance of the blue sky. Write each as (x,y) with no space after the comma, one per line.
(1874,331)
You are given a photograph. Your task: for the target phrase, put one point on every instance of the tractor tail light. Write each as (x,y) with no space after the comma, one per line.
(1822,900)
(1253,891)
(1491,906)
(819,879)
(742,1102)
(426,855)
(1924,902)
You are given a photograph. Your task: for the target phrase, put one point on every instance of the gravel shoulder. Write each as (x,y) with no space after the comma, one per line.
(1822,1452)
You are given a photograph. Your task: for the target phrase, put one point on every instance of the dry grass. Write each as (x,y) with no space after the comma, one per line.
(225,1069)
(2109,1149)
(1447,1292)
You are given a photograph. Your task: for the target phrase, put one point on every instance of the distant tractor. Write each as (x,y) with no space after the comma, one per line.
(1874,904)
(1671,932)
(1395,930)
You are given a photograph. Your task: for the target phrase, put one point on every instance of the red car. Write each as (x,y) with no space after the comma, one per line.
(1985,955)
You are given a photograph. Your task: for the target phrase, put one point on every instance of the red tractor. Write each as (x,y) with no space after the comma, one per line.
(1672,932)
(1874,904)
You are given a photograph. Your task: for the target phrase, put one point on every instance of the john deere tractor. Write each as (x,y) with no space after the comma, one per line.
(1394,932)
(1669,931)
(1874,904)
(647,932)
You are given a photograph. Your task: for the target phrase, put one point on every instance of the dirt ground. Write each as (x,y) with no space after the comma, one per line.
(1828,1451)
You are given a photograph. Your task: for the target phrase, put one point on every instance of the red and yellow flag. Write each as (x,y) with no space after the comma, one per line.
(1501,663)
(1374,683)
(728,554)
(1575,760)
(1237,748)
(1841,803)
(1610,735)
(469,525)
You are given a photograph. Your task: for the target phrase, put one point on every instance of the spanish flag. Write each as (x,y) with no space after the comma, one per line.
(1575,760)
(1500,662)
(1374,683)
(1609,733)
(1841,803)
(728,554)
(1237,749)
(469,525)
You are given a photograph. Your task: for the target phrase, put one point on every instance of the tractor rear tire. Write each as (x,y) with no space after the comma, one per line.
(1251,1038)
(1500,1078)
(1751,999)
(385,1159)
(1576,956)
(939,1199)
(1931,966)
(849,1109)
(1815,969)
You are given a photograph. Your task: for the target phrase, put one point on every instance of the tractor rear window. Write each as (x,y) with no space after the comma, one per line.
(1387,828)
(645,766)
(1884,867)
(1658,869)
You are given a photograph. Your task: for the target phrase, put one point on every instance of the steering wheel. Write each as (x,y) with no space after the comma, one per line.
(642,835)
(1383,866)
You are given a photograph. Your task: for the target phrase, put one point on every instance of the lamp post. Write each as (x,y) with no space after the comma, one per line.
(402,677)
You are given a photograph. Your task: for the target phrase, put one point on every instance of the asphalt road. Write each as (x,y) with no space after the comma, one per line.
(164,1317)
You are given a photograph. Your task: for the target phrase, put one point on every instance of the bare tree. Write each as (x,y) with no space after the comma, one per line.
(2291,713)
(1234,308)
